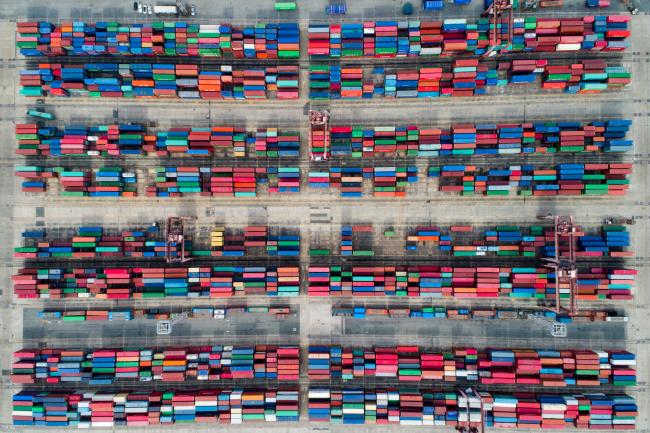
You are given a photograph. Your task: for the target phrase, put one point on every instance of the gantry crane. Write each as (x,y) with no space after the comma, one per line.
(500,13)
(175,235)
(466,426)
(319,121)
(564,265)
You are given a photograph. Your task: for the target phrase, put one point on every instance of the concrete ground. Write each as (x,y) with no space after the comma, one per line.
(315,214)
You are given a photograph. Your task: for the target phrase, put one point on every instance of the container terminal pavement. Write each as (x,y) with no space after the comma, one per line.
(396,292)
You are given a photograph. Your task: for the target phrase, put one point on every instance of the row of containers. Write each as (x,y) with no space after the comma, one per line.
(464,78)
(539,138)
(116,181)
(469,139)
(430,408)
(574,179)
(490,367)
(97,409)
(187,81)
(149,80)
(474,313)
(467,282)
(95,241)
(56,315)
(503,240)
(84,409)
(361,39)
(160,38)
(461,36)
(549,368)
(594,284)
(128,139)
(106,366)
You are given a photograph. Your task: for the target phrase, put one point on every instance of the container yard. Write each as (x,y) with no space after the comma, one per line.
(311,216)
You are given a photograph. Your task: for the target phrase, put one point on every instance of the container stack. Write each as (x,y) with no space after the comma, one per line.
(144,80)
(530,180)
(481,282)
(346,141)
(481,139)
(102,182)
(441,312)
(106,409)
(459,36)
(357,240)
(92,242)
(283,179)
(206,181)
(179,38)
(143,283)
(549,368)
(433,408)
(269,142)
(107,366)
(469,77)
(120,315)
(588,76)
(392,181)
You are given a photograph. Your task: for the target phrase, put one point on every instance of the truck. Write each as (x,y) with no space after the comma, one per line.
(285,6)
(165,10)
(41,114)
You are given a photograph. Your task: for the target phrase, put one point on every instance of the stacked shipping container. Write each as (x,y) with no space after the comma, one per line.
(458,36)
(178,38)
(97,409)
(106,366)
(146,80)
(136,139)
(480,139)
(534,180)
(144,283)
(465,282)
(440,312)
(126,314)
(551,368)
(93,242)
(435,408)
(469,77)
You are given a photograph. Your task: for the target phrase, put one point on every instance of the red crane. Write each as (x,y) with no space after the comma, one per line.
(319,135)
(501,18)
(175,235)
(564,263)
